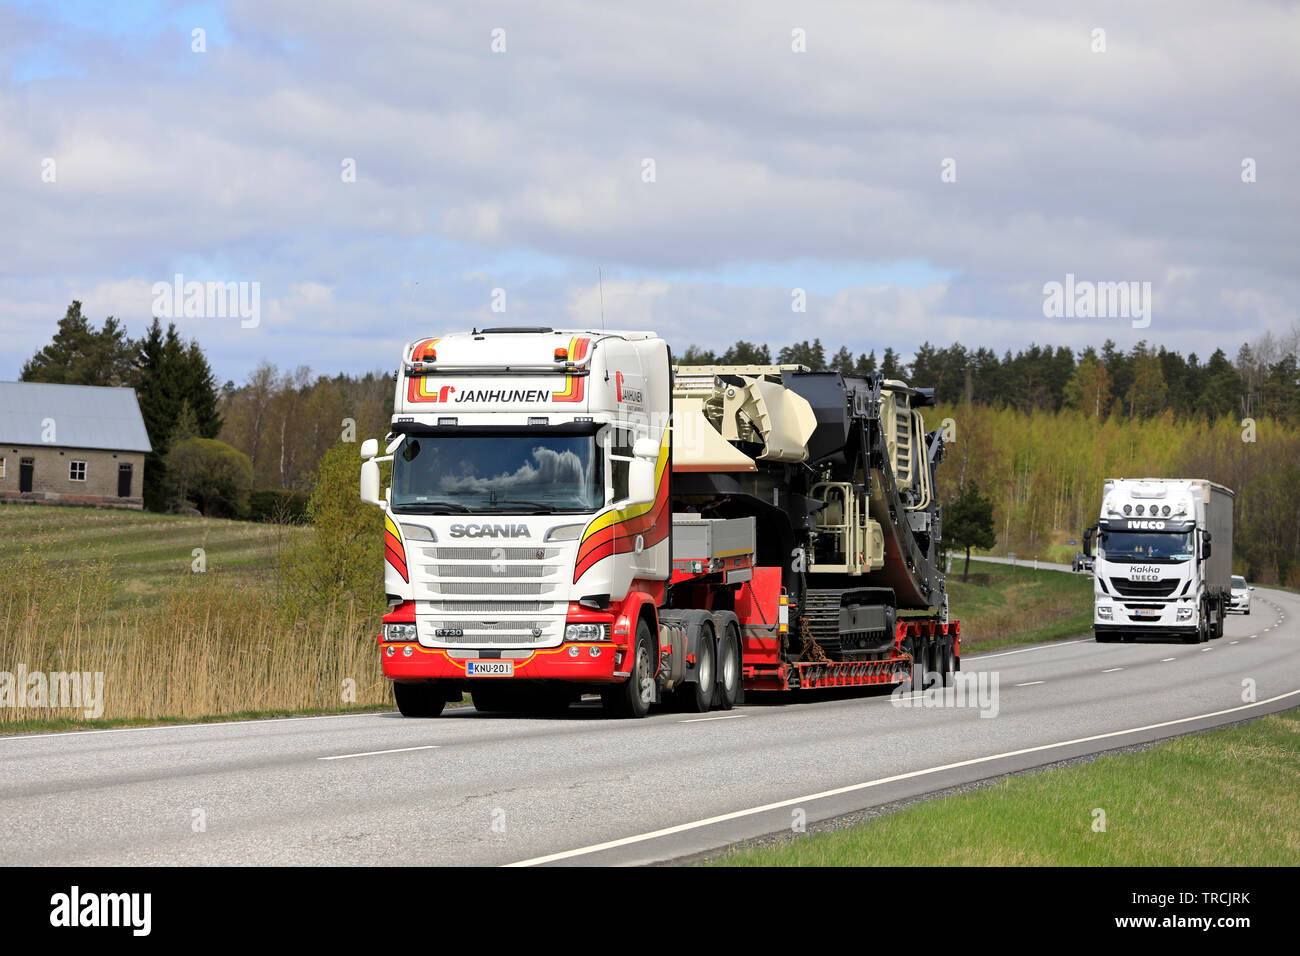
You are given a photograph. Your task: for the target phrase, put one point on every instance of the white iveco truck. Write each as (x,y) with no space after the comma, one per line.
(1163,559)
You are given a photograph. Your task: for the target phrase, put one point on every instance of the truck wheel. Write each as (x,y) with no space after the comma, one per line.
(949,664)
(698,696)
(632,697)
(729,676)
(419,700)
(918,664)
(488,700)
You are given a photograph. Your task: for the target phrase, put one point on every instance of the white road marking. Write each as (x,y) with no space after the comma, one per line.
(1234,642)
(1111,670)
(1206,650)
(1168,659)
(1025,650)
(371,753)
(852,788)
(1029,683)
(696,720)
(210,724)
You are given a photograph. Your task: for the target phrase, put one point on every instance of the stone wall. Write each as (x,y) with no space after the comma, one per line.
(52,482)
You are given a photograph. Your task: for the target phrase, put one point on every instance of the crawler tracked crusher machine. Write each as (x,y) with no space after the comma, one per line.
(839,474)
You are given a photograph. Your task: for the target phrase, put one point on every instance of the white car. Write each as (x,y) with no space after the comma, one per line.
(1240,603)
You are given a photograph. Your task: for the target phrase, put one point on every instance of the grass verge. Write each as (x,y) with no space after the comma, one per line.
(1223,798)
(999,605)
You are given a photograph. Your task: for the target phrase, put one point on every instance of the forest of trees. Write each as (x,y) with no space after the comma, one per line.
(1037,430)
(1262,381)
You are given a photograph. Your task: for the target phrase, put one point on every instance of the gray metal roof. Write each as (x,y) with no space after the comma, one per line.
(84,416)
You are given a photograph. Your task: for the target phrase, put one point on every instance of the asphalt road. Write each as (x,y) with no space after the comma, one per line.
(1020,563)
(477,789)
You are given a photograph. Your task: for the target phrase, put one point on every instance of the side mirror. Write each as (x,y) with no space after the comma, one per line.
(370,482)
(370,448)
(641,481)
(646,448)
(1206,550)
(1087,541)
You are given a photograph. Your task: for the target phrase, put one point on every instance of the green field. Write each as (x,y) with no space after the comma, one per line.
(144,553)
(1224,798)
(1001,605)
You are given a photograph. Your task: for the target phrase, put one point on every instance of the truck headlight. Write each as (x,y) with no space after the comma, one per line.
(1104,613)
(1185,613)
(399,632)
(585,632)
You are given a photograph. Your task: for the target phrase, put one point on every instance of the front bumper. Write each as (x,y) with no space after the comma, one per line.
(1146,630)
(549,663)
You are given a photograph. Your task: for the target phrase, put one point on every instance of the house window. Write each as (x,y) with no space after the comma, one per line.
(2,467)
(76,471)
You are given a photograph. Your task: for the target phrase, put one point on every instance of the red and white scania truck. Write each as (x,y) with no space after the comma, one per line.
(570,514)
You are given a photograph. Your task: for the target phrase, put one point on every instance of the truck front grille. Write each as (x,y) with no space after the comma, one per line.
(1140,589)
(517,633)
(490,607)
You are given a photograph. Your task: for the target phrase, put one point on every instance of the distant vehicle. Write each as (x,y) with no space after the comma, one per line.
(1240,596)
(1082,562)
(1164,559)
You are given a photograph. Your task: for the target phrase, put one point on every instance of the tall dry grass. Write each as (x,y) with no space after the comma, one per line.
(210,646)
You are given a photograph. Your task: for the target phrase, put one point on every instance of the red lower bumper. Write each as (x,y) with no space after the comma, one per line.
(551,663)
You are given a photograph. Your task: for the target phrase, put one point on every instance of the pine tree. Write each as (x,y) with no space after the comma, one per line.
(891,367)
(80,354)
(168,376)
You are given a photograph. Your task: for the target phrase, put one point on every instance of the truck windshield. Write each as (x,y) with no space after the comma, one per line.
(530,473)
(1145,546)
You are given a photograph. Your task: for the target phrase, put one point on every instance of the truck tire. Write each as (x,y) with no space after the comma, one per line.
(918,664)
(629,698)
(949,668)
(729,673)
(697,697)
(419,700)
(488,700)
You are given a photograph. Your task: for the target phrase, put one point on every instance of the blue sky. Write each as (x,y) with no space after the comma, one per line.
(524,170)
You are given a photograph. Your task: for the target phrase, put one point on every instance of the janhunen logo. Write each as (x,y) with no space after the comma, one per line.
(626,393)
(58,689)
(978,690)
(75,908)
(208,300)
(1098,300)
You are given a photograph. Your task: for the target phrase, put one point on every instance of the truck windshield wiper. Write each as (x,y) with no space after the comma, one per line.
(540,508)
(433,508)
